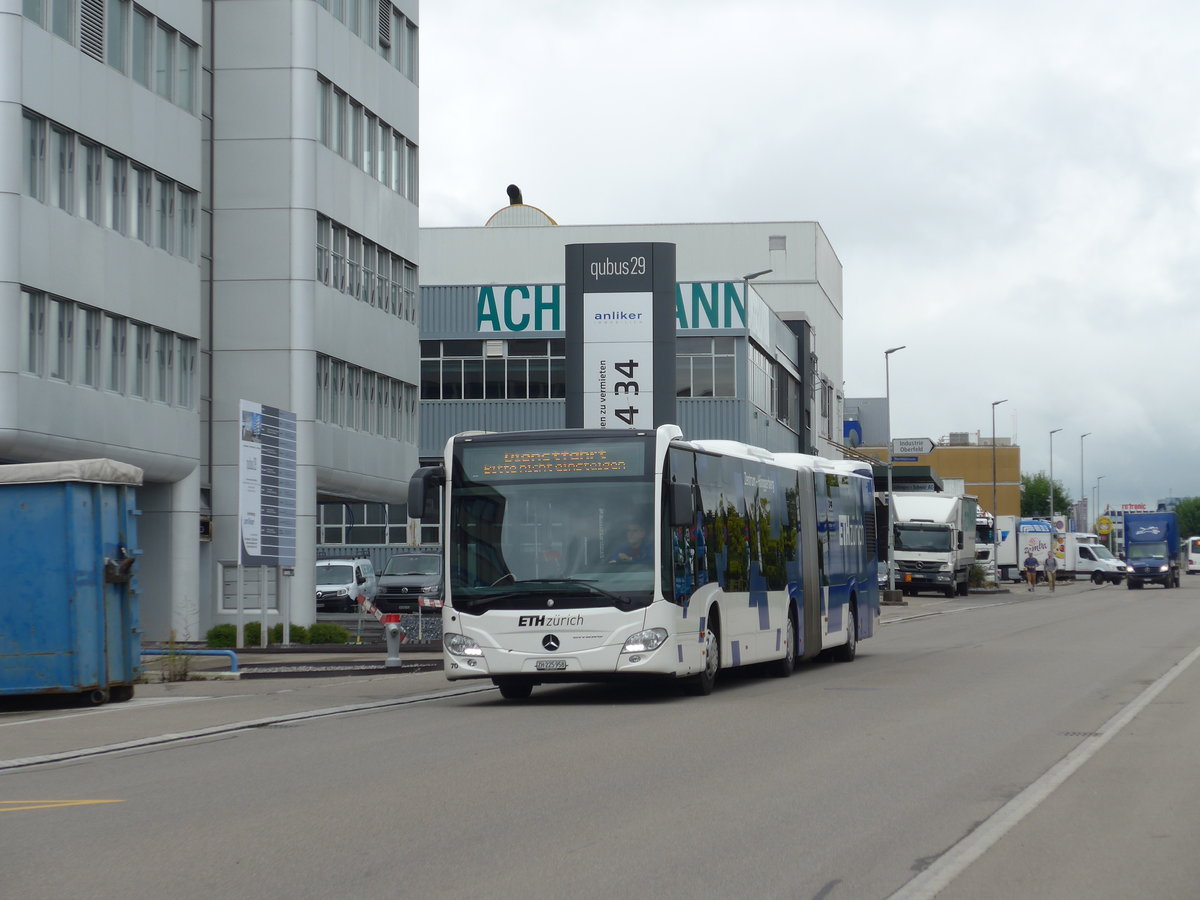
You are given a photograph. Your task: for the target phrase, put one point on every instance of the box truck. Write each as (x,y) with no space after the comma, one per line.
(1151,549)
(1082,555)
(1017,539)
(933,542)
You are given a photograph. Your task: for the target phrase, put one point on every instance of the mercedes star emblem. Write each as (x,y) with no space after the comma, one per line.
(550,643)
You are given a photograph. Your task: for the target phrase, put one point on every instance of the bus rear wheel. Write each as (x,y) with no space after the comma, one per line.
(849,650)
(782,668)
(514,688)
(701,684)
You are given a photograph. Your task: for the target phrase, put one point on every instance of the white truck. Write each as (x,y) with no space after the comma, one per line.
(1017,539)
(1082,555)
(933,542)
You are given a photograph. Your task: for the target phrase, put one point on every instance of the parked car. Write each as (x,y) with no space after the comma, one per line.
(340,582)
(410,580)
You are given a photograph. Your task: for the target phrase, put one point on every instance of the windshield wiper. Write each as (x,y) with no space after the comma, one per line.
(586,582)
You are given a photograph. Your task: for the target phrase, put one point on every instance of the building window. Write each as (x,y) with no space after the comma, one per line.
(35,156)
(704,367)
(185,74)
(93,182)
(117,209)
(143,203)
(533,369)
(164,364)
(143,28)
(62,18)
(354,123)
(166,213)
(140,383)
(188,202)
(62,156)
(185,362)
(90,374)
(337,134)
(114,377)
(410,171)
(33,348)
(368,273)
(354,265)
(410,51)
(116,33)
(324,113)
(322,408)
(62,338)
(164,61)
(338,258)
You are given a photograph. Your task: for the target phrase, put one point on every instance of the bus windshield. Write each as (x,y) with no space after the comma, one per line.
(930,538)
(567,524)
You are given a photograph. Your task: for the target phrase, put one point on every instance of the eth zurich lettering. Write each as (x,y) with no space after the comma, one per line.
(538,307)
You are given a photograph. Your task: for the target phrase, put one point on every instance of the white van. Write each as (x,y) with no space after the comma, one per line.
(340,582)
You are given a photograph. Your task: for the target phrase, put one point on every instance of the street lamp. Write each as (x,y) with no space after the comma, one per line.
(1052,434)
(887,381)
(995,507)
(1082,489)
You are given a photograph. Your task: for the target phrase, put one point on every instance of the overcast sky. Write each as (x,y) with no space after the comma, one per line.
(1011,187)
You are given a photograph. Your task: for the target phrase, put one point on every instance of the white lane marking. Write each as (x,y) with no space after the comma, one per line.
(108,708)
(954,861)
(231,727)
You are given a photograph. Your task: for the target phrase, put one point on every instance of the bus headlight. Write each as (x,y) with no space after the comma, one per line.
(1129,569)
(461,645)
(644,641)
(1164,569)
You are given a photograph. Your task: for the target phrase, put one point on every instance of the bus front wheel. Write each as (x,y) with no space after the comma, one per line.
(514,688)
(701,684)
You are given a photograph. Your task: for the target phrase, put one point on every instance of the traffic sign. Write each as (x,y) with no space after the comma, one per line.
(1104,526)
(911,446)
(896,459)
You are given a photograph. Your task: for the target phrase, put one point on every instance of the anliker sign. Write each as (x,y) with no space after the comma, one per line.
(620,335)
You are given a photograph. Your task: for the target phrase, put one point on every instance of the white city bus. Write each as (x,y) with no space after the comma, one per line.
(1191,555)
(752,557)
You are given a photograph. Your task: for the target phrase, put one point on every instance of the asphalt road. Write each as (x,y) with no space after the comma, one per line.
(1003,746)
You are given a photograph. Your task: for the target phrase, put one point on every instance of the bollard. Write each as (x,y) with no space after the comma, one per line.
(394,634)
(893,598)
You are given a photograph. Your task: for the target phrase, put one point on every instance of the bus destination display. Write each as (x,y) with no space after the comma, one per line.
(483,462)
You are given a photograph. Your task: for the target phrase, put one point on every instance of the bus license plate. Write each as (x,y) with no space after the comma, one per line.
(550,665)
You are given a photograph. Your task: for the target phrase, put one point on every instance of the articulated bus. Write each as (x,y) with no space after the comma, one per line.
(594,555)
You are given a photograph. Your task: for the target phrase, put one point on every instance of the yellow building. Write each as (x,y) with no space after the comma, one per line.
(969,457)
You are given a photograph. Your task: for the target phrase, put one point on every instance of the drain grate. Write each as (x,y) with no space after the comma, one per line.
(1081,734)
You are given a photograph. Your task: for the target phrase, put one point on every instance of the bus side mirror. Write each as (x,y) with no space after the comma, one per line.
(683,510)
(422,490)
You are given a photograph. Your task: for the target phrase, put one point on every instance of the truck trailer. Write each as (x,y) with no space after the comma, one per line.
(934,542)
(1152,551)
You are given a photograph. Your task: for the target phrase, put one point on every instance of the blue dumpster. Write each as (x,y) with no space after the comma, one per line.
(68,607)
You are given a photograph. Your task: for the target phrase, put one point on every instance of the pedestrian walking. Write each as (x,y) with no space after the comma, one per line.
(1050,566)
(1031,565)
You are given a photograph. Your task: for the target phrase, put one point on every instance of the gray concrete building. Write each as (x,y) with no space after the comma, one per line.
(758,313)
(202,203)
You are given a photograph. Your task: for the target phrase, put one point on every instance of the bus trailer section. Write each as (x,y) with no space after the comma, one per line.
(1152,551)
(621,554)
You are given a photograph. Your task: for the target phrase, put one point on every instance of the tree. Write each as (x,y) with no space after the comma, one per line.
(1035,496)
(1188,513)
